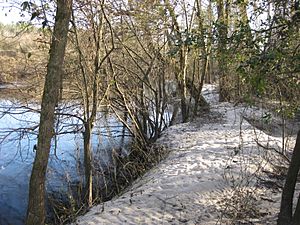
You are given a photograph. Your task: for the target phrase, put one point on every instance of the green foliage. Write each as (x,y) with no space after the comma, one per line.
(192,40)
(273,71)
(263,61)
(36,11)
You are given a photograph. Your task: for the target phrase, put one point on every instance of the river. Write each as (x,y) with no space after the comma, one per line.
(17,154)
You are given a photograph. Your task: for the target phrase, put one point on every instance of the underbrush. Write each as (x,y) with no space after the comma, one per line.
(109,182)
(255,178)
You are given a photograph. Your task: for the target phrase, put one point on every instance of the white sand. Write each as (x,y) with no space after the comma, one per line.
(212,169)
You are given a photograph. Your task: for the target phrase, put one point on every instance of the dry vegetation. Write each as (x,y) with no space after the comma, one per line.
(23,60)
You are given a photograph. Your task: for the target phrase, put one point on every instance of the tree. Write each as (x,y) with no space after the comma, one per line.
(286,215)
(188,52)
(222,28)
(149,63)
(36,212)
(181,49)
(91,47)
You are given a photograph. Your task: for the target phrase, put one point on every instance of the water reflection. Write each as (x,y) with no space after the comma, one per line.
(18,133)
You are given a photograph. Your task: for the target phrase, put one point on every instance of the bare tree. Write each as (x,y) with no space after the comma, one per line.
(91,46)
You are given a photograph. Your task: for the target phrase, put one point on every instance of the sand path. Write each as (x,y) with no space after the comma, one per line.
(210,158)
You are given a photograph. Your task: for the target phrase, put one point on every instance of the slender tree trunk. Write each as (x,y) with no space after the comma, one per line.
(88,189)
(285,216)
(181,69)
(222,49)
(246,43)
(36,212)
(209,78)
(183,86)
(203,56)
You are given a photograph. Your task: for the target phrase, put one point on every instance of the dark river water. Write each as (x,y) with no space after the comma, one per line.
(17,154)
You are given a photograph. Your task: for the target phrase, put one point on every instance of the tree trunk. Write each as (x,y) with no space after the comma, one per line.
(203,56)
(181,69)
(222,49)
(246,43)
(296,218)
(285,216)
(88,192)
(208,77)
(36,212)
(185,107)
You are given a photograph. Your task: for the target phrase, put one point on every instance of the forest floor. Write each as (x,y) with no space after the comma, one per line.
(220,170)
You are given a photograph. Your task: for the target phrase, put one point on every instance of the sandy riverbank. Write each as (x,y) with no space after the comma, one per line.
(214,174)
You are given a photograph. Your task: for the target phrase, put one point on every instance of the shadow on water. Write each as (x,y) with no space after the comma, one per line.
(64,168)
